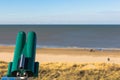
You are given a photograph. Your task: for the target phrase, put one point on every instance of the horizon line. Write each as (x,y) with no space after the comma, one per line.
(59,24)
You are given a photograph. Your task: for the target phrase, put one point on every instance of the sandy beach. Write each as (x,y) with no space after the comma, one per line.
(70,55)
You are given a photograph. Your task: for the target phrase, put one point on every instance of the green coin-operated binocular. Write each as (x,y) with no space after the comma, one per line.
(23,65)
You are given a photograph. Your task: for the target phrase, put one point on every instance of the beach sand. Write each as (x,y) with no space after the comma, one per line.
(71,63)
(69,55)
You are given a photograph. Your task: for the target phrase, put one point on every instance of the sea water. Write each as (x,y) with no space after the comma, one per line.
(74,36)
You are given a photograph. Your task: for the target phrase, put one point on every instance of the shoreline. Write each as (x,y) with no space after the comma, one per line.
(72,47)
(71,51)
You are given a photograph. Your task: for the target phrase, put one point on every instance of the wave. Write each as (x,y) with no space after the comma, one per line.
(68,47)
(75,47)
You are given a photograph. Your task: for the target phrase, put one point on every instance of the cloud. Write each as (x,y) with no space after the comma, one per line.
(87,18)
(109,17)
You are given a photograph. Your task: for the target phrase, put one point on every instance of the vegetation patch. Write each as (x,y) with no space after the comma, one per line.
(70,71)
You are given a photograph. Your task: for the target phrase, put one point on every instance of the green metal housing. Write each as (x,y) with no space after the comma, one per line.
(28,49)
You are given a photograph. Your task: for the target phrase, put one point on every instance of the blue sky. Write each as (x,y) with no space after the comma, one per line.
(60,12)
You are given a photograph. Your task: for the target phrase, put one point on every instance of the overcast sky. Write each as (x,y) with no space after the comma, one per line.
(59,11)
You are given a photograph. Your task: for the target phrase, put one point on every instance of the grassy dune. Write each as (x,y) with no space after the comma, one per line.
(3,68)
(89,71)
(70,71)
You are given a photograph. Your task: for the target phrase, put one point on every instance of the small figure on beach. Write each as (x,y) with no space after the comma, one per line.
(108,59)
(92,50)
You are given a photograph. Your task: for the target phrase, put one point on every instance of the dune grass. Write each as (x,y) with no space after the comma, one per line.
(71,71)
(3,68)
